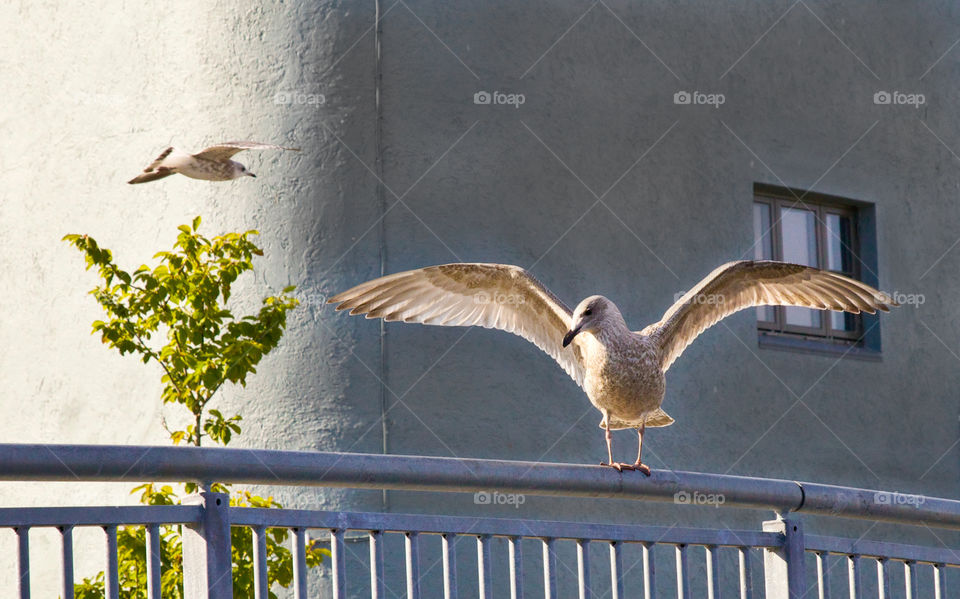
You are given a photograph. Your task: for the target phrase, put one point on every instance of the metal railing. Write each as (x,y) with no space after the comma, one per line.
(794,565)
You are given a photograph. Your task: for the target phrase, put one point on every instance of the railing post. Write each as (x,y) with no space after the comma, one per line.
(783,566)
(207,568)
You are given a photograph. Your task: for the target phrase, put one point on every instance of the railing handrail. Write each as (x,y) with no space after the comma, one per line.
(38,462)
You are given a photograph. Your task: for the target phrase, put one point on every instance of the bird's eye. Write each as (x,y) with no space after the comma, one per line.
(587,312)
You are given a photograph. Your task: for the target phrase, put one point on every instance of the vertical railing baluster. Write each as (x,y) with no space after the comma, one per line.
(449,565)
(112,583)
(939,581)
(515,547)
(853,577)
(910,582)
(883,578)
(823,575)
(713,572)
(66,578)
(337,565)
(377,590)
(413,565)
(153,561)
(616,570)
(683,573)
(23,561)
(583,568)
(261,589)
(549,569)
(649,572)
(300,564)
(746,573)
(484,572)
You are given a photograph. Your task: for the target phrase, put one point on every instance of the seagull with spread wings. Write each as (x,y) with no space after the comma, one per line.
(210,164)
(621,371)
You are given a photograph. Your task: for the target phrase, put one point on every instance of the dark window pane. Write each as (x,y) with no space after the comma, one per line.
(839,251)
(799,229)
(763,248)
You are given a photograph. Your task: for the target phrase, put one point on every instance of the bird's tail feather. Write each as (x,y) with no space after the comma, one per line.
(147,177)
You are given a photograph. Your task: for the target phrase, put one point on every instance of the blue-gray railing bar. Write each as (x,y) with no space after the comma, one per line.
(649,572)
(783,566)
(882,549)
(413,564)
(746,578)
(300,564)
(484,567)
(883,578)
(23,561)
(515,555)
(853,577)
(939,582)
(616,569)
(426,523)
(550,590)
(910,583)
(66,557)
(153,558)
(683,572)
(823,575)
(23,462)
(713,572)
(112,585)
(261,587)
(449,567)
(377,589)
(13,517)
(206,545)
(583,569)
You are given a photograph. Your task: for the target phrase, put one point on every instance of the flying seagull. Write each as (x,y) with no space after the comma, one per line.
(210,164)
(621,371)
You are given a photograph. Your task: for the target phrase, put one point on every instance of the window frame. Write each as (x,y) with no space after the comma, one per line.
(821,207)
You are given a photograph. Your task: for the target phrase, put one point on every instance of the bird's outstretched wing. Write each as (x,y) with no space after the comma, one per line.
(227,149)
(748,283)
(497,296)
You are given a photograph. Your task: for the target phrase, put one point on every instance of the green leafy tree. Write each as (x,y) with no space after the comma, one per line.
(176,315)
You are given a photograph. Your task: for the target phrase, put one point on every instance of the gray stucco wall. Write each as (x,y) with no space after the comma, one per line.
(599,182)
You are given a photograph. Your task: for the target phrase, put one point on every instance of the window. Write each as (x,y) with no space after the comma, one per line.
(818,231)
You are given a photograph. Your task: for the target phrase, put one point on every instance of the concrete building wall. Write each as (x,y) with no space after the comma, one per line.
(598,182)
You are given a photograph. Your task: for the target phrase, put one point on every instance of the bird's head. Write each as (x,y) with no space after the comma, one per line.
(241,171)
(592,315)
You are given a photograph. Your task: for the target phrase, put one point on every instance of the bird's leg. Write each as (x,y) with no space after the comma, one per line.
(620,466)
(640,465)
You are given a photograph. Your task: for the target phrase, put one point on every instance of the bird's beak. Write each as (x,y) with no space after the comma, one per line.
(570,335)
(252,175)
